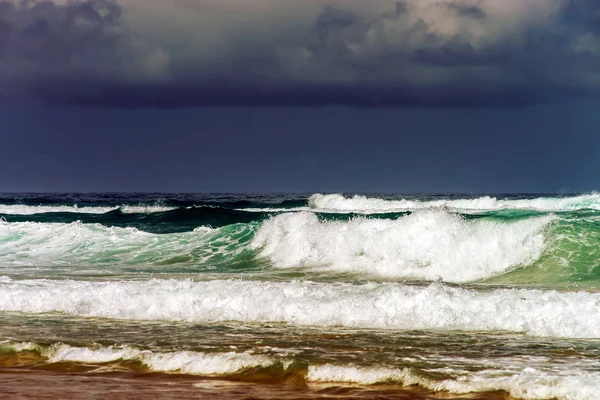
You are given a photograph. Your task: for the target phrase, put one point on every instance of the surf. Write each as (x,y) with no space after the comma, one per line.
(426,245)
(376,306)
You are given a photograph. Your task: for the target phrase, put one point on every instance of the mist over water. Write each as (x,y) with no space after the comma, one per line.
(523,270)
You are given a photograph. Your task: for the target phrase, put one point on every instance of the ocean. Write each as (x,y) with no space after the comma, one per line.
(300,296)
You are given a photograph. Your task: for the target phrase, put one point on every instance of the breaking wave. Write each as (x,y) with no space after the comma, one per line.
(426,245)
(384,306)
(31,244)
(363,204)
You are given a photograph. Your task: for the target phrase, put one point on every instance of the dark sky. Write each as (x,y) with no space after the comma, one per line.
(311,95)
(536,148)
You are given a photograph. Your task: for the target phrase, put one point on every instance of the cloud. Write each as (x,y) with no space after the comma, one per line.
(373,53)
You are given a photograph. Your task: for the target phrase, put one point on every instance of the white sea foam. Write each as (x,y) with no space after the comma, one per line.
(20,209)
(205,229)
(529,384)
(63,352)
(186,362)
(144,209)
(356,374)
(22,346)
(424,245)
(393,306)
(363,204)
(206,364)
(48,244)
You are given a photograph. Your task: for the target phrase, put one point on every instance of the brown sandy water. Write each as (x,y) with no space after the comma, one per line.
(28,384)
(48,356)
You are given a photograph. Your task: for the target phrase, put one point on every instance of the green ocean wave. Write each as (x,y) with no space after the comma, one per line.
(569,252)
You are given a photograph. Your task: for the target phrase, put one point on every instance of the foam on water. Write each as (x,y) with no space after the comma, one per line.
(424,245)
(144,209)
(355,374)
(529,384)
(63,352)
(384,306)
(363,204)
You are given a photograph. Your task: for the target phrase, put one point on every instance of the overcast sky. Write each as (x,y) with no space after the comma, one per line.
(300,95)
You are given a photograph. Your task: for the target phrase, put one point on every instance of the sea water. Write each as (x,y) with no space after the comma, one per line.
(449,294)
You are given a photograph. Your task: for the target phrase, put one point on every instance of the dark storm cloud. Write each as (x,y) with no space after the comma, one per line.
(42,43)
(129,53)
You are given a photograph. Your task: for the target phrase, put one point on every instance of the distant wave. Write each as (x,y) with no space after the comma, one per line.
(322,203)
(146,218)
(363,204)
(20,209)
(383,306)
